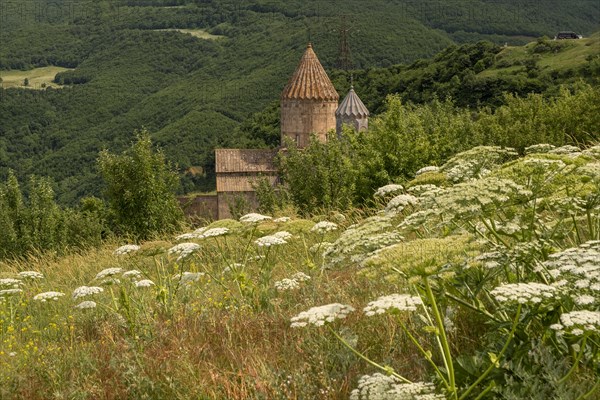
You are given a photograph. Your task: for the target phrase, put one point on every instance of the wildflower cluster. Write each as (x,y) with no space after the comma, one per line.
(126,249)
(578,322)
(31,275)
(476,163)
(318,316)
(43,297)
(388,189)
(524,293)
(400,302)
(324,227)
(291,283)
(183,249)
(400,202)
(269,240)
(384,387)
(424,170)
(253,218)
(84,291)
(214,232)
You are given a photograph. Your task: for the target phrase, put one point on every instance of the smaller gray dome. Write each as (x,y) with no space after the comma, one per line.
(352,106)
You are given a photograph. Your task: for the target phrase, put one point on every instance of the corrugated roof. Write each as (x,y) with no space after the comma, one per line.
(245,160)
(352,106)
(310,81)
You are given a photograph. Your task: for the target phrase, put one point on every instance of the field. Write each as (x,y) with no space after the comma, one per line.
(198,33)
(552,56)
(39,78)
(477,279)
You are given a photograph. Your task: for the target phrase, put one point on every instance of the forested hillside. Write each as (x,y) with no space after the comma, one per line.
(130,68)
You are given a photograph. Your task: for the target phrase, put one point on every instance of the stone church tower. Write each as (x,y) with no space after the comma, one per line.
(308,102)
(352,112)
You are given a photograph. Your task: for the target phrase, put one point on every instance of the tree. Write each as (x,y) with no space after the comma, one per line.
(140,187)
(26,82)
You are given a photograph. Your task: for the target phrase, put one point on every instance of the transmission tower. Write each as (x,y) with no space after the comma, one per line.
(344,58)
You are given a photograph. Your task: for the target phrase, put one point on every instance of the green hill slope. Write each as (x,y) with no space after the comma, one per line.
(131,70)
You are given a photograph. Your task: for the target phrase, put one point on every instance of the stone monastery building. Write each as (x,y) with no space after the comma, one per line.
(309,105)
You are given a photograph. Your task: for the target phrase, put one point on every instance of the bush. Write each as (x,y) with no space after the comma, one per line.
(140,187)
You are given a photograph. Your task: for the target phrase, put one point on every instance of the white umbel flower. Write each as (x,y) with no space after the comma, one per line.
(108,272)
(83,291)
(43,297)
(372,387)
(188,277)
(10,282)
(285,235)
(400,202)
(429,168)
(324,226)
(188,236)
(144,283)
(286,284)
(268,241)
(524,293)
(132,274)
(254,218)
(184,249)
(10,292)
(126,249)
(282,219)
(388,189)
(86,305)
(31,275)
(300,277)
(318,316)
(578,322)
(214,232)
(400,302)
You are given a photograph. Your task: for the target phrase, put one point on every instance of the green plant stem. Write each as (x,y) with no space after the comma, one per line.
(443,339)
(388,370)
(486,390)
(493,364)
(494,233)
(576,361)
(590,392)
(427,356)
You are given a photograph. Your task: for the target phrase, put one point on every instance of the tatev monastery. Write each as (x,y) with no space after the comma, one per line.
(309,106)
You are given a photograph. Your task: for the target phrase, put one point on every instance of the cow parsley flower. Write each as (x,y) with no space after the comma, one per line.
(268,241)
(132,274)
(425,189)
(254,218)
(282,219)
(578,322)
(86,305)
(31,275)
(424,170)
(523,293)
(300,277)
(286,284)
(214,232)
(567,149)
(126,249)
(318,316)
(10,282)
(374,387)
(388,189)
(400,202)
(108,272)
(184,249)
(10,292)
(415,391)
(285,235)
(324,226)
(400,302)
(43,297)
(585,299)
(188,236)
(144,283)
(83,291)
(200,231)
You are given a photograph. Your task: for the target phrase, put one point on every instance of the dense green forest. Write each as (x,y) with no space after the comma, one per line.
(196,94)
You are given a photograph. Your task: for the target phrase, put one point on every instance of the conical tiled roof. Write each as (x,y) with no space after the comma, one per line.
(352,106)
(310,81)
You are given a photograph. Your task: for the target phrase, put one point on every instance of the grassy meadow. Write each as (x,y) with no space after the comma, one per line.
(479,279)
(39,78)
